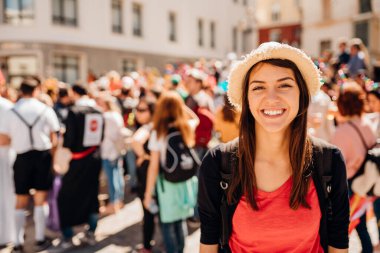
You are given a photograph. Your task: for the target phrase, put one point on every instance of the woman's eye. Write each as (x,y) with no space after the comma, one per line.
(257,88)
(285,85)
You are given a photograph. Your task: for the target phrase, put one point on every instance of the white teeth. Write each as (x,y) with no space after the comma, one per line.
(273,112)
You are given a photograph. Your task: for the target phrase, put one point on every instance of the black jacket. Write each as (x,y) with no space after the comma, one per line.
(333,232)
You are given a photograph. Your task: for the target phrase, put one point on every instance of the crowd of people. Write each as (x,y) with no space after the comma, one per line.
(57,138)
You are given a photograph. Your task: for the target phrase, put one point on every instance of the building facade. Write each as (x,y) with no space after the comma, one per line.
(326,22)
(279,20)
(68,38)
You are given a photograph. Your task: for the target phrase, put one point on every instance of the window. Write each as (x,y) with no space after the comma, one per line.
(326,7)
(212,34)
(65,12)
(234,39)
(200,32)
(247,40)
(117,26)
(18,12)
(361,31)
(365,6)
(324,45)
(275,35)
(276,9)
(172,27)
(66,68)
(128,66)
(137,20)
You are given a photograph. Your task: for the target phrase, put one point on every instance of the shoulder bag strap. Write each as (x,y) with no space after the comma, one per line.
(359,133)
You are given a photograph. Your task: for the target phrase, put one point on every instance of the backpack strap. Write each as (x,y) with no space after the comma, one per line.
(30,126)
(323,158)
(228,151)
(359,133)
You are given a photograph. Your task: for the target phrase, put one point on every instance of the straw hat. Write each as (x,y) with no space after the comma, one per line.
(266,51)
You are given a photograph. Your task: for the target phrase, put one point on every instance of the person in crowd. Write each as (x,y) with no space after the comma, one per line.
(356,65)
(373,102)
(7,198)
(176,200)
(78,196)
(373,98)
(351,107)
(61,107)
(128,102)
(343,56)
(31,127)
(319,123)
(110,153)
(144,115)
(270,181)
(202,104)
(227,121)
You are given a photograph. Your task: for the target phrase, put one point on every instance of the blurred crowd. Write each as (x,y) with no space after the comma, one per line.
(71,132)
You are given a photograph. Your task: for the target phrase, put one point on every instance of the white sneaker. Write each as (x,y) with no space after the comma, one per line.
(88,238)
(62,246)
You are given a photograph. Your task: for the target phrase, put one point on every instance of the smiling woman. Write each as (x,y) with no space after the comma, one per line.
(270,198)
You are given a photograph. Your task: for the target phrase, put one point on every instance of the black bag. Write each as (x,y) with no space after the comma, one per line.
(322,159)
(181,162)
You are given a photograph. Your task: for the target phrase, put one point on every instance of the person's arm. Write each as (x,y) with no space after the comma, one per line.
(192,115)
(334,250)
(4,140)
(151,177)
(140,137)
(54,142)
(337,227)
(208,248)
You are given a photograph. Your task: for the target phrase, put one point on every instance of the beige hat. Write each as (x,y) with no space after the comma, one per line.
(266,51)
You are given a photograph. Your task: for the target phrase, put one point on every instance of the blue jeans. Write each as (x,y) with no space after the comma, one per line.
(174,234)
(92,222)
(130,159)
(115,179)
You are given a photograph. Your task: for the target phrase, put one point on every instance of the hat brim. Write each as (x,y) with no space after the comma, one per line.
(266,51)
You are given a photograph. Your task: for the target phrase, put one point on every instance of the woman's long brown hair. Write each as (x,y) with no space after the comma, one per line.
(300,148)
(170,112)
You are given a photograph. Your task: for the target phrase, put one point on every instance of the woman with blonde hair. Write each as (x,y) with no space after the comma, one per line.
(176,199)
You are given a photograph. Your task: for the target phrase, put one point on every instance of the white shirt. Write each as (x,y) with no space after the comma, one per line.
(112,131)
(15,128)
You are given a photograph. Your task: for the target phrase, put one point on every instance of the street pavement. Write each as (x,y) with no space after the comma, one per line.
(122,233)
(116,233)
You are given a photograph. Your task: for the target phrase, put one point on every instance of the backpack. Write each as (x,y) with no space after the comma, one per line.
(365,181)
(181,162)
(229,161)
(203,132)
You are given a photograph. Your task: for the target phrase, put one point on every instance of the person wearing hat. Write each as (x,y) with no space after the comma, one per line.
(31,127)
(203,105)
(275,201)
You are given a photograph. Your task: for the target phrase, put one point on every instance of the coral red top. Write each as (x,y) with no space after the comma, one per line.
(275,227)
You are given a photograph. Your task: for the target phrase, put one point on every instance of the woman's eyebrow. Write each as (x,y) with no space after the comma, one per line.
(279,80)
(285,78)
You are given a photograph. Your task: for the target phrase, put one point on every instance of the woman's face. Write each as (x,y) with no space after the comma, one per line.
(273,97)
(373,103)
(143,115)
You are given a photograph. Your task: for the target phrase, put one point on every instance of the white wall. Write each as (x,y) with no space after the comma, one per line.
(94,27)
